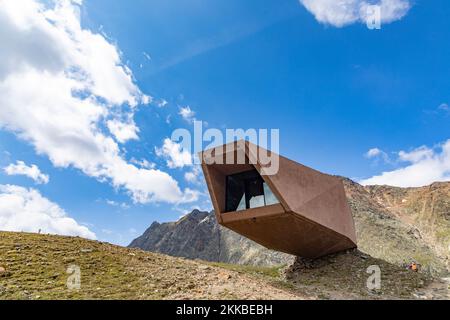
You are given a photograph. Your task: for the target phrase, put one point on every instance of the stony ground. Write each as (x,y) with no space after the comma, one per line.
(35,267)
(345,276)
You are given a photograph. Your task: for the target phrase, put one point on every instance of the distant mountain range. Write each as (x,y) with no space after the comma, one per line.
(399,225)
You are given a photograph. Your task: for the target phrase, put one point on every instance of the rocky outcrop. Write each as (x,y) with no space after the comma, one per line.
(198,236)
(403,225)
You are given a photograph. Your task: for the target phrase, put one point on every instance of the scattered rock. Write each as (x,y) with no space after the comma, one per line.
(415,233)
(3,272)
(204,268)
(420,295)
(2,289)
(224,276)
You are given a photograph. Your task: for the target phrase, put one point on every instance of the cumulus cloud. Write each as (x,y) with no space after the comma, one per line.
(193,176)
(187,114)
(32,172)
(377,154)
(176,156)
(62,85)
(444,108)
(423,166)
(162,103)
(26,210)
(144,163)
(340,13)
(123,131)
(372,153)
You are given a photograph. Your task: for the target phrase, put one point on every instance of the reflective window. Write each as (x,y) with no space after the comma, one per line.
(270,197)
(248,190)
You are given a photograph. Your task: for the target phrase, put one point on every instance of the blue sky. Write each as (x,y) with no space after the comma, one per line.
(372,105)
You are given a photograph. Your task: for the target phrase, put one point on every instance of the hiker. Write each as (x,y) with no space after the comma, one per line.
(414,267)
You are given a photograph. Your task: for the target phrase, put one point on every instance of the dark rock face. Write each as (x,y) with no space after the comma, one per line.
(198,236)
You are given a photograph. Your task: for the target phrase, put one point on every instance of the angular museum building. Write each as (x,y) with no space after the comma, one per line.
(283,206)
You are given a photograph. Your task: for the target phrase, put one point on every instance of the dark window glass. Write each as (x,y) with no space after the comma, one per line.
(247,190)
(235,194)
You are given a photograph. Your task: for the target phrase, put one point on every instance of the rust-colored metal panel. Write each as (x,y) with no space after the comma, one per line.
(290,234)
(314,195)
(312,217)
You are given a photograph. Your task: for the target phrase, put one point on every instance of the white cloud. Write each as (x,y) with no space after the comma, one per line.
(147,56)
(340,13)
(372,153)
(121,205)
(190,177)
(444,107)
(143,163)
(162,103)
(424,166)
(417,155)
(60,84)
(176,156)
(442,110)
(187,114)
(146,99)
(377,154)
(32,172)
(123,131)
(194,175)
(27,210)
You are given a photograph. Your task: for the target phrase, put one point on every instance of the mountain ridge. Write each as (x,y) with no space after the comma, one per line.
(198,236)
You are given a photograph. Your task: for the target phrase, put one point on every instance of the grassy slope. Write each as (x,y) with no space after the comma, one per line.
(36,269)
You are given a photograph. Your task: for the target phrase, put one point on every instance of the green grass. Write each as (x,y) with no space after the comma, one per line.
(37,265)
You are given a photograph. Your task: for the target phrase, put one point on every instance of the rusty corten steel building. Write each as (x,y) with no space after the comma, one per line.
(297,210)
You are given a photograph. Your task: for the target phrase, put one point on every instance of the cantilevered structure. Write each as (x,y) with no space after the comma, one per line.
(296,210)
